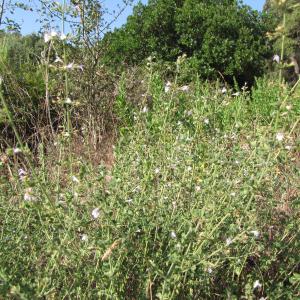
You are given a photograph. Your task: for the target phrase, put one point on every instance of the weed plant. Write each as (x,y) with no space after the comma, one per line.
(202,203)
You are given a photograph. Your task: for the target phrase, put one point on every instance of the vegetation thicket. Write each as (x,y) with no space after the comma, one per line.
(140,164)
(220,38)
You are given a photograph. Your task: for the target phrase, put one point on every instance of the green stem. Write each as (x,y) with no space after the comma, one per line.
(282,49)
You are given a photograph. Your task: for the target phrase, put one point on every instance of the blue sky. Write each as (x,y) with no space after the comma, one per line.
(29,24)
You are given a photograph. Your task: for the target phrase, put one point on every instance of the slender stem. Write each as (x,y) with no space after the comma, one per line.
(282,48)
(66,94)
(47,90)
(2,11)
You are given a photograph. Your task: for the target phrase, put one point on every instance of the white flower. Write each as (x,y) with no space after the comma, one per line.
(17,150)
(189,113)
(288,147)
(206,121)
(129,201)
(224,90)
(156,170)
(255,233)
(1,80)
(47,37)
(75,179)
(233,194)
(173,235)
(58,60)
(68,101)
(62,37)
(69,66)
(257,284)
(53,33)
(245,87)
(145,109)
(84,238)
(276,58)
(96,213)
(228,241)
(185,88)
(236,94)
(22,174)
(168,86)
(28,195)
(279,136)
(289,107)
(198,188)
(209,270)
(66,134)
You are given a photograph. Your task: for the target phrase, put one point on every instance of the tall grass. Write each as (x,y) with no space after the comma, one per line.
(202,203)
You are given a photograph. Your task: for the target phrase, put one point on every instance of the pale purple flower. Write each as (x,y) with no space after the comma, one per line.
(17,150)
(70,66)
(22,174)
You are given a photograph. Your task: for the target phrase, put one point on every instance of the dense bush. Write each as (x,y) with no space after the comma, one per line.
(221,37)
(202,203)
(23,81)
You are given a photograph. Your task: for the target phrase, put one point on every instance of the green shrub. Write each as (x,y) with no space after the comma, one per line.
(202,203)
(219,37)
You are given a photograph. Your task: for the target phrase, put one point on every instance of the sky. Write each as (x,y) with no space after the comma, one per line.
(28,23)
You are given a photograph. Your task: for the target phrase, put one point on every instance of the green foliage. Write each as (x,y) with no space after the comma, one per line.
(219,36)
(202,203)
(23,81)
(285,34)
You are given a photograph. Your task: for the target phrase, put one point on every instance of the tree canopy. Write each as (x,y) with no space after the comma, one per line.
(218,37)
